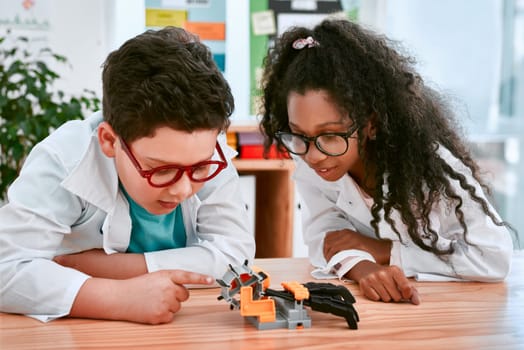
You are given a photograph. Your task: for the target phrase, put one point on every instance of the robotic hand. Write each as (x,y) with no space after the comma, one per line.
(269,308)
(326,297)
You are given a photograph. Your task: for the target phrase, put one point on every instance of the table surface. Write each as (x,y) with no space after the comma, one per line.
(452,315)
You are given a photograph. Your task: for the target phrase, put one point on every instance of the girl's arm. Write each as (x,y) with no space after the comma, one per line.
(484,254)
(340,240)
(383,283)
(377,280)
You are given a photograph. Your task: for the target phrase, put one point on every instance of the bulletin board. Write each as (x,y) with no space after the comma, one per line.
(28,19)
(205,18)
(269,18)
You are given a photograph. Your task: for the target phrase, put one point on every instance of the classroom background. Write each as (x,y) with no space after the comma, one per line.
(472,50)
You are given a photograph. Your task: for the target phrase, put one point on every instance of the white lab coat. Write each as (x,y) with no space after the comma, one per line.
(330,206)
(67,200)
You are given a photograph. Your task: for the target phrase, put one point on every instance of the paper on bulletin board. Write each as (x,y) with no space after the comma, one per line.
(263,22)
(165,17)
(27,18)
(207,30)
(304,5)
(185,3)
(309,20)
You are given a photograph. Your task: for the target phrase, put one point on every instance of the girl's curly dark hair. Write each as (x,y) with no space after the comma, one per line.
(367,78)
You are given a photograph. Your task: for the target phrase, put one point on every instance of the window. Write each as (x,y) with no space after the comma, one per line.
(473,51)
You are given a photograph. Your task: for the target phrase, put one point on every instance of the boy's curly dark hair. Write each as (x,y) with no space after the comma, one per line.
(164,78)
(367,78)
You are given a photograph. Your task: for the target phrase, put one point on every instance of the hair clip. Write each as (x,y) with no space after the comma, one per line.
(299,44)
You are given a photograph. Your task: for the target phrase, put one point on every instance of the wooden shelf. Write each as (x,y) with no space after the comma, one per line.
(244,128)
(251,124)
(274,205)
(274,200)
(263,164)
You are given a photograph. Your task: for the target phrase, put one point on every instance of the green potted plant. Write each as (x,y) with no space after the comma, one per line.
(30,107)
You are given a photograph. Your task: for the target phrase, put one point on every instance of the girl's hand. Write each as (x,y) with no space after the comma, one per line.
(337,241)
(152,298)
(386,283)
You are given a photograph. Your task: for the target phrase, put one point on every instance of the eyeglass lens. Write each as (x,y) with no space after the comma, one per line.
(330,144)
(196,173)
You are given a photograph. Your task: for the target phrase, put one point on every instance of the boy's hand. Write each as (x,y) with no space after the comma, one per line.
(152,298)
(337,241)
(386,283)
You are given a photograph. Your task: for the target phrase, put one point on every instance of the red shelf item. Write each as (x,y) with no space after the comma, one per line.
(257,152)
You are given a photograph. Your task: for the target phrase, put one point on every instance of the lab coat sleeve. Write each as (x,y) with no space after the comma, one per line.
(320,215)
(33,223)
(222,230)
(485,254)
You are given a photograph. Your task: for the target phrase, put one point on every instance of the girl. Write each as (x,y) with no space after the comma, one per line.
(390,191)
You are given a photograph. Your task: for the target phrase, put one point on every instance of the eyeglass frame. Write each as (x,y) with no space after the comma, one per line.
(308,139)
(147,174)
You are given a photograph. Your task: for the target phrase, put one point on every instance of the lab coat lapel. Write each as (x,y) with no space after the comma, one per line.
(117,227)
(351,202)
(95,180)
(384,228)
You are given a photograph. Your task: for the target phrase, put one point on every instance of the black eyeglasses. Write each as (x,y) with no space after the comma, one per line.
(331,143)
(169,174)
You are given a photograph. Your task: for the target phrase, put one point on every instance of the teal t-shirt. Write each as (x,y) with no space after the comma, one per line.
(155,232)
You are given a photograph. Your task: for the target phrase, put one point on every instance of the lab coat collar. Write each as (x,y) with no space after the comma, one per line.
(349,198)
(95,180)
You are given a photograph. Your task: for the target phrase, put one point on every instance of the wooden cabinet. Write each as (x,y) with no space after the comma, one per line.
(274,201)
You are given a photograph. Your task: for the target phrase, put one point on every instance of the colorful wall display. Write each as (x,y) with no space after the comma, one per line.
(205,18)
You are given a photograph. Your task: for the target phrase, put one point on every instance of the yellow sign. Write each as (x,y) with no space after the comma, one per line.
(162,17)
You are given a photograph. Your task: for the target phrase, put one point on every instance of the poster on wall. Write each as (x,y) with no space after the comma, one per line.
(205,18)
(270,18)
(28,18)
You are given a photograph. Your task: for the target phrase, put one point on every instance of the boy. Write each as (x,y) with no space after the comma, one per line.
(147,181)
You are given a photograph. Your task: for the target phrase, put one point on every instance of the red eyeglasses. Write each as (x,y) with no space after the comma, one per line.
(169,174)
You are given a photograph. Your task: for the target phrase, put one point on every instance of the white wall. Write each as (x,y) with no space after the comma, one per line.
(237,56)
(87,31)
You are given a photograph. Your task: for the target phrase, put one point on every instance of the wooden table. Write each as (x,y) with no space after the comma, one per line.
(452,315)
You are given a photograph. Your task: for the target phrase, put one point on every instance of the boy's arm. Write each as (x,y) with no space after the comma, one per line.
(97,263)
(33,224)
